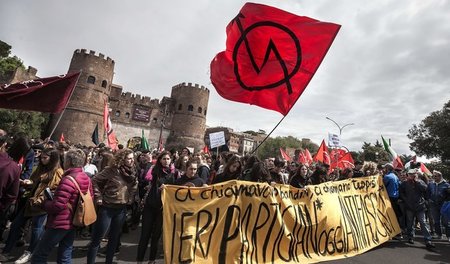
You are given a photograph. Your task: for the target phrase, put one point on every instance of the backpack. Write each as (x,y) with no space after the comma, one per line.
(84,214)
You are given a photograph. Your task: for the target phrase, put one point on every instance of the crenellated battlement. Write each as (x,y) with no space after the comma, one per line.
(92,53)
(137,99)
(190,85)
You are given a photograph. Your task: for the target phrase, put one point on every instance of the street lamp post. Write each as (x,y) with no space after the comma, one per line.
(340,127)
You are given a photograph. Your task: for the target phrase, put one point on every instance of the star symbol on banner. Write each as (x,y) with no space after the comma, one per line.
(318,204)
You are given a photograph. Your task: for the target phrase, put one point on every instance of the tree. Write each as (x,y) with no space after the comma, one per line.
(8,63)
(374,153)
(431,137)
(32,123)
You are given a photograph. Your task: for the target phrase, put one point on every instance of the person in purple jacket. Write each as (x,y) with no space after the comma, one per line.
(59,220)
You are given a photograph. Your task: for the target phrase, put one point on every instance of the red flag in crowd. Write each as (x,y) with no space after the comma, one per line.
(424,169)
(336,155)
(308,157)
(301,158)
(49,94)
(284,155)
(270,56)
(61,138)
(322,154)
(112,140)
(205,149)
(345,161)
(160,145)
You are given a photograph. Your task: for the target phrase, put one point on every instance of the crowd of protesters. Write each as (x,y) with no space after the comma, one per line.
(126,186)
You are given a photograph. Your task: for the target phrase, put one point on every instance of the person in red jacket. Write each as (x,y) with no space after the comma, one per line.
(59,220)
(9,184)
(9,177)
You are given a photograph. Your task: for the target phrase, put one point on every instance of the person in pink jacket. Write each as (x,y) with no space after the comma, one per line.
(59,220)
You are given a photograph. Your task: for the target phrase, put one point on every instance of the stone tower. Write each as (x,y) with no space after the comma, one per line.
(85,108)
(189,117)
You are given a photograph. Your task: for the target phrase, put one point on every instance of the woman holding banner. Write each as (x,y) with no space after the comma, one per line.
(231,171)
(152,218)
(300,178)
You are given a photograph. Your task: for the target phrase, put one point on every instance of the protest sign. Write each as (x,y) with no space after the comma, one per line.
(246,222)
(217,139)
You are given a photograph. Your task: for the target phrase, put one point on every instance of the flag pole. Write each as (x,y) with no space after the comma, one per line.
(268,134)
(64,110)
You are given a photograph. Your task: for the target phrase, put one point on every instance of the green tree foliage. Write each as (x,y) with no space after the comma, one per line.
(32,123)
(375,153)
(8,63)
(271,147)
(431,137)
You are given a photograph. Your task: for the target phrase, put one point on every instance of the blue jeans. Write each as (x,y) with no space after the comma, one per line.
(49,240)
(107,218)
(37,228)
(420,215)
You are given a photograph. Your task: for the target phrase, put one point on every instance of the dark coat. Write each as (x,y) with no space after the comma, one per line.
(9,181)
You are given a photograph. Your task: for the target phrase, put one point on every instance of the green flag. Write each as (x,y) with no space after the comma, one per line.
(144,142)
(95,136)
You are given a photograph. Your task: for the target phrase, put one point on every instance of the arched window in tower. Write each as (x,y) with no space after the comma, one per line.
(127,115)
(180,106)
(205,111)
(199,110)
(117,113)
(91,79)
(104,83)
(190,108)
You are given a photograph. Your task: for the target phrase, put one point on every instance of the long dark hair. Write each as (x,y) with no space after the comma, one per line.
(260,173)
(51,167)
(234,159)
(158,169)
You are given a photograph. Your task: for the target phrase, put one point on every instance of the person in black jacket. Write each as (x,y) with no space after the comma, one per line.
(152,217)
(412,192)
(191,177)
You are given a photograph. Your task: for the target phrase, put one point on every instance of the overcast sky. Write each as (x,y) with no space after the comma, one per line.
(388,68)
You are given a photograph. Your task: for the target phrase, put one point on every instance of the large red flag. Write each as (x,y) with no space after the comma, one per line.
(284,155)
(270,56)
(322,154)
(112,139)
(43,95)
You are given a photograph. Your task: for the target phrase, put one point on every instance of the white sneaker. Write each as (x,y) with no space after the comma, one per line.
(26,256)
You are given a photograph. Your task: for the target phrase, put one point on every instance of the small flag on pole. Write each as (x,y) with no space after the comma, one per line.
(95,139)
(61,138)
(144,142)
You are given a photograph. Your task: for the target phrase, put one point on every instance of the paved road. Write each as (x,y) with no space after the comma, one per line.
(391,252)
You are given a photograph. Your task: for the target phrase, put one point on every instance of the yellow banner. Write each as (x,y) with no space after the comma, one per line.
(246,222)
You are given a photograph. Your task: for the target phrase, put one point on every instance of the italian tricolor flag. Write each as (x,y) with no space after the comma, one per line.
(396,161)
